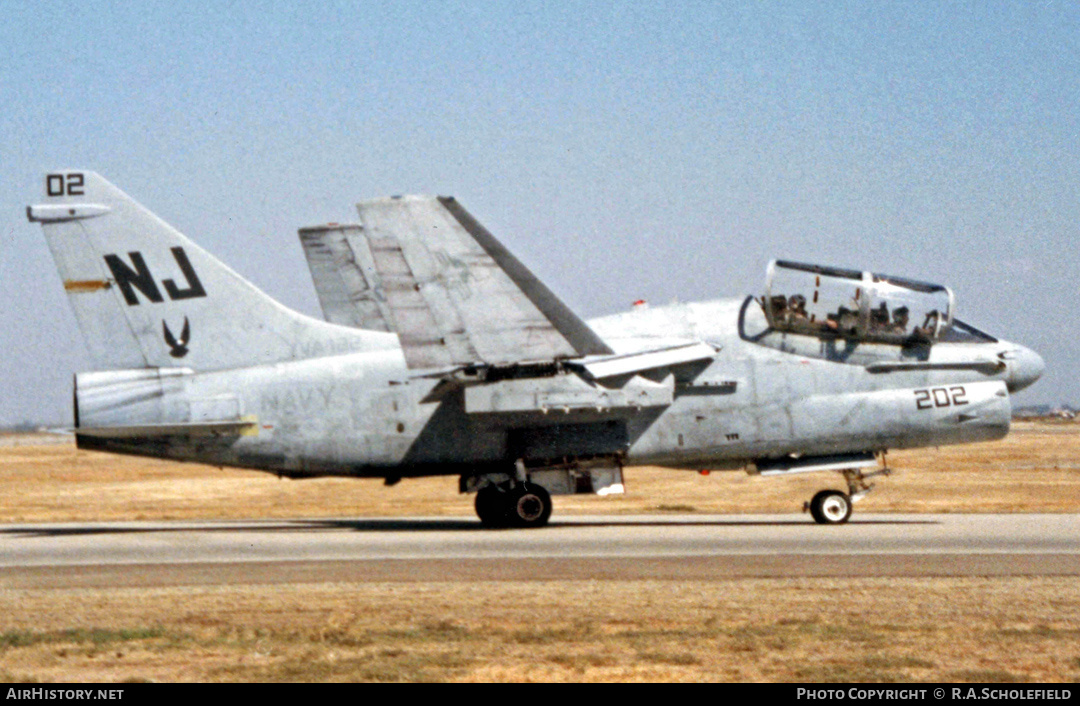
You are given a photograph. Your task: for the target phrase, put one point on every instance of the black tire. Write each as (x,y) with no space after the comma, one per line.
(830,507)
(529,506)
(491,506)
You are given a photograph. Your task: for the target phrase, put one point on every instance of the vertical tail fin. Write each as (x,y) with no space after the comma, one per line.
(146,296)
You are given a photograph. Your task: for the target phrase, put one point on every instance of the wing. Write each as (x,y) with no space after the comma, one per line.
(452,292)
(345,278)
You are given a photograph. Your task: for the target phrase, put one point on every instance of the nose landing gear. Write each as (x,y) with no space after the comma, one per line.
(833,507)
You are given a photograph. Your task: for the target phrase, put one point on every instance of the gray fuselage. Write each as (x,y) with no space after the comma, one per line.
(763,395)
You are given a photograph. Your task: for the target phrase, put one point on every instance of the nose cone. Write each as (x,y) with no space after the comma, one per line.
(1025,367)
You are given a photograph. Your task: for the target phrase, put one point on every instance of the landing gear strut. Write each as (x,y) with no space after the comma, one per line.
(524,505)
(833,507)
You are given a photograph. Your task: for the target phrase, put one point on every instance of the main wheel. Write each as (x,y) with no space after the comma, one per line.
(530,506)
(830,507)
(491,506)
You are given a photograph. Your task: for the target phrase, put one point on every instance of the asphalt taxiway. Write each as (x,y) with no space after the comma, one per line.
(639,547)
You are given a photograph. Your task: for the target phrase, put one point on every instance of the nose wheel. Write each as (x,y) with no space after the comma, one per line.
(830,507)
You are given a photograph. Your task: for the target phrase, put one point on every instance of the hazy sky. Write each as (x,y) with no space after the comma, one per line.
(622,150)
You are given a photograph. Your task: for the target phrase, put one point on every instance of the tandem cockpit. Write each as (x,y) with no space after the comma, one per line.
(862,318)
(830,302)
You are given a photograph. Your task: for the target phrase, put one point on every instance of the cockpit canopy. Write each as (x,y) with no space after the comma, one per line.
(831,302)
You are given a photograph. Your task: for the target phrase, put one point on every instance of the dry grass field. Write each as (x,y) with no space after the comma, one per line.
(797,630)
(803,630)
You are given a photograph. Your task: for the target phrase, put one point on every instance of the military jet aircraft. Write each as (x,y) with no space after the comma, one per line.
(441,353)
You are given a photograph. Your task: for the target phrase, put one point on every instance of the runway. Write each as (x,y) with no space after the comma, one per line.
(640,547)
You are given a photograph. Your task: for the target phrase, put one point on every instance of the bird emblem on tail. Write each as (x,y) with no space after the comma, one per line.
(177,347)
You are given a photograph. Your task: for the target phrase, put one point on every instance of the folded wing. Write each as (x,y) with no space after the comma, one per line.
(427,270)
(345,279)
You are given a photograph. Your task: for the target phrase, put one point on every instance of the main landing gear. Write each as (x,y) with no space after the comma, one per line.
(833,507)
(521,505)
